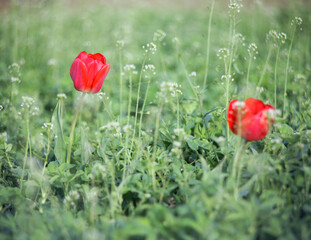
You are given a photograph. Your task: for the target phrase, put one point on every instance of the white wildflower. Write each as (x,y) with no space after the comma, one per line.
(120,43)
(127,128)
(252,50)
(297,21)
(129,67)
(15,74)
(52,62)
(150,47)
(175,40)
(193,74)
(27,102)
(159,35)
(179,132)
(223,53)
(48,126)
(61,96)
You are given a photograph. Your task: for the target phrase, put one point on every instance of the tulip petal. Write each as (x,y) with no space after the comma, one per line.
(98,56)
(253,129)
(92,70)
(231,116)
(78,73)
(83,55)
(250,120)
(252,107)
(99,79)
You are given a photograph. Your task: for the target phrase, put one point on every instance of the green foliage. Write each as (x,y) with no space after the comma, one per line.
(156,163)
(60,145)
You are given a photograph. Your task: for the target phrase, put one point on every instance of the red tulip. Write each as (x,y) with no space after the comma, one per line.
(250,119)
(88,72)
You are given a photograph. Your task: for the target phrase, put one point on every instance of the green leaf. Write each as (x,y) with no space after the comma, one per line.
(208,117)
(192,143)
(60,145)
(8,147)
(54,178)
(17,171)
(53,166)
(65,166)
(190,107)
(206,120)
(31,189)
(77,174)
(286,130)
(86,148)
(166,135)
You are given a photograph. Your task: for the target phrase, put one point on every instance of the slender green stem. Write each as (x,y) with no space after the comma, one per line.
(143,107)
(228,73)
(286,72)
(177,102)
(8,159)
(155,142)
(130,100)
(233,20)
(128,116)
(187,76)
(44,166)
(162,61)
(194,89)
(264,70)
(200,103)
(73,128)
(275,75)
(26,149)
(237,167)
(247,76)
(110,114)
(11,94)
(156,131)
(208,43)
(184,68)
(138,97)
(227,102)
(121,84)
(29,140)
(47,153)
(227,82)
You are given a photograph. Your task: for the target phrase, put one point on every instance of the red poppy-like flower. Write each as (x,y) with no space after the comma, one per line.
(88,72)
(250,119)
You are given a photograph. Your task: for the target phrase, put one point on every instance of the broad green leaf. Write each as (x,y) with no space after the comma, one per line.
(192,143)
(286,130)
(8,147)
(60,145)
(65,166)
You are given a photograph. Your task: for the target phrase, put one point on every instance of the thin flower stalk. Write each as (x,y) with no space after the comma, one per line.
(73,128)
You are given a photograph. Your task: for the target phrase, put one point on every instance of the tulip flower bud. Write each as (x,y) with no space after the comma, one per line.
(88,72)
(250,119)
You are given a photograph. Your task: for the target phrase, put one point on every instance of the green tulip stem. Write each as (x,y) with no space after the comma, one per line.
(73,128)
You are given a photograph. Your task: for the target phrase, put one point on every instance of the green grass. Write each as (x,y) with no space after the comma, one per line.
(152,159)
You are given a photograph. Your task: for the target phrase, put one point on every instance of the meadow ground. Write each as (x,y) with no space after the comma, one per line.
(152,154)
